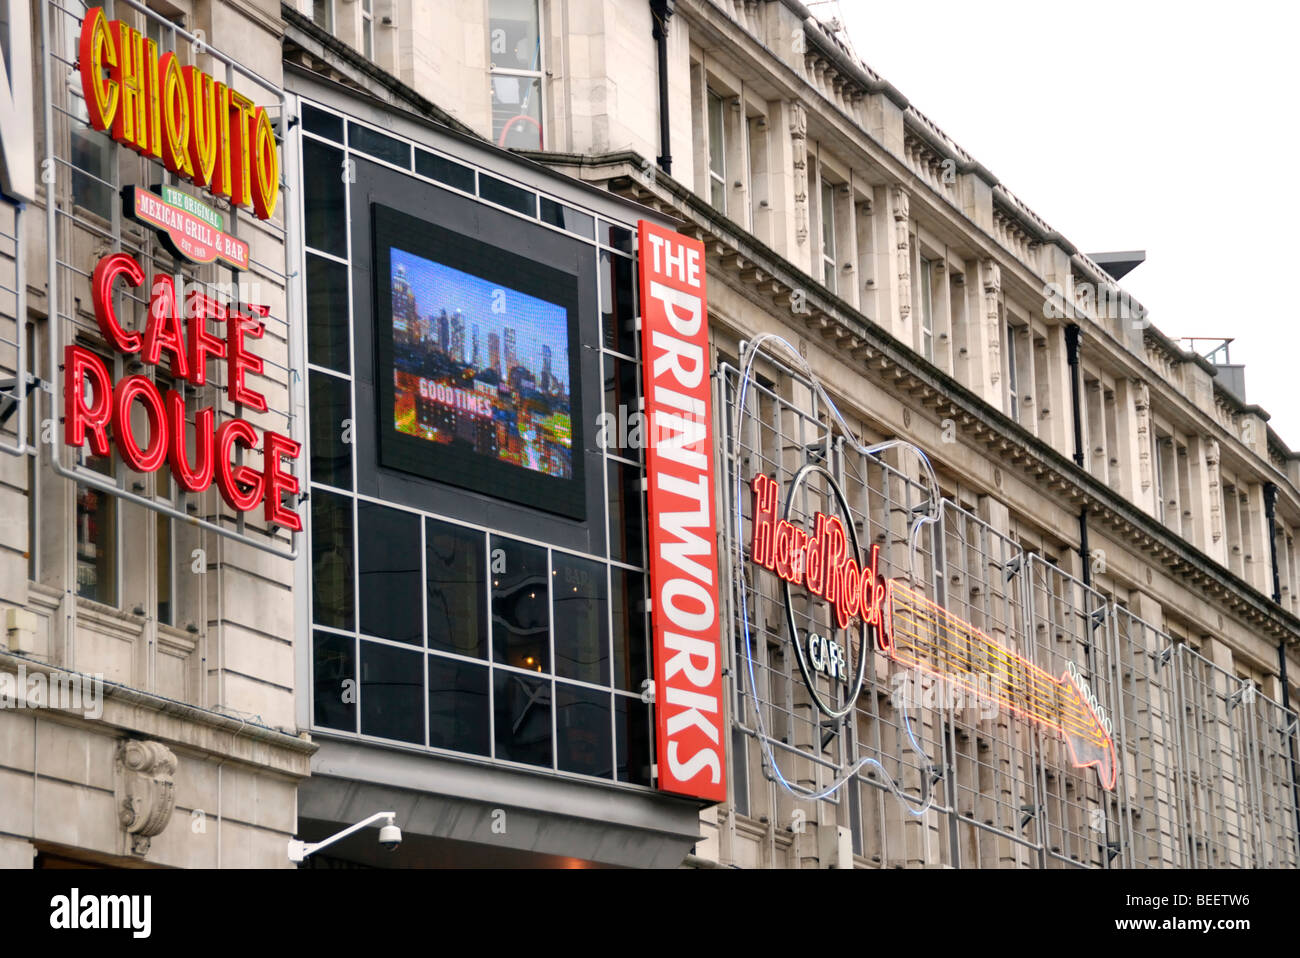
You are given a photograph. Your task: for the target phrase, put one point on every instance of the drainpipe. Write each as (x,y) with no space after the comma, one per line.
(1270,510)
(1073,337)
(660,12)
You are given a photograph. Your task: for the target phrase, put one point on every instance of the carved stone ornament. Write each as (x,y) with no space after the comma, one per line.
(1216,496)
(993,316)
(902,210)
(799,142)
(1142,409)
(145,791)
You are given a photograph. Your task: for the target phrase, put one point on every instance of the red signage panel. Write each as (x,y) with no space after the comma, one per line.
(682,522)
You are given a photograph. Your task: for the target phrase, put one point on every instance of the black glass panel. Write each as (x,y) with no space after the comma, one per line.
(520,605)
(457,587)
(632,724)
(566,217)
(631,648)
(392,693)
(327,313)
(379,145)
(625,497)
(507,195)
(582,731)
(389,567)
(334,681)
(618,303)
(331,560)
(740,780)
(581,622)
(330,408)
(444,170)
(323,173)
(623,431)
(522,712)
(616,237)
(322,123)
(458,706)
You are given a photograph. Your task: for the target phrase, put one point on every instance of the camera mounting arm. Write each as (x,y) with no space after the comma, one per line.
(299,850)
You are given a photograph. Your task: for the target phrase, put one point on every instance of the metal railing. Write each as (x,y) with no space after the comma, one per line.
(924,776)
(79,230)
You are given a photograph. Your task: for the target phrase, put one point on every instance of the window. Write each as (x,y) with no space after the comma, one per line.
(164,529)
(828,233)
(1232,525)
(925,307)
(717,154)
(97,538)
(515,53)
(164,561)
(1013,398)
(759,184)
(94,166)
(368,28)
(322,14)
(1158,457)
(97,522)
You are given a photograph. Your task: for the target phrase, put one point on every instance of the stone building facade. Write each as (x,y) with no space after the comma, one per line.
(1048,477)
(1103,493)
(180,748)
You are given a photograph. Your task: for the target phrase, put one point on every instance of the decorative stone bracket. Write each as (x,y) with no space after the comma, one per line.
(799,141)
(993,316)
(145,791)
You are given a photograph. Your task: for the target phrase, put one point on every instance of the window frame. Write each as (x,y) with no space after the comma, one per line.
(716,150)
(538,74)
(368,29)
(1013,381)
(328,7)
(826,215)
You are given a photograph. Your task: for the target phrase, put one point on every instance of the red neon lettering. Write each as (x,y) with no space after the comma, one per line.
(851,582)
(239,360)
(92,404)
(834,548)
(151,456)
(163,330)
(199,477)
(278,481)
(764,548)
(815,574)
(101,294)
(198,310)
(81,366)
(240,486)
(820,564)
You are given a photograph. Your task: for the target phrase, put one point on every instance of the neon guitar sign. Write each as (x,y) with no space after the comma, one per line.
(929,637)
(911,629)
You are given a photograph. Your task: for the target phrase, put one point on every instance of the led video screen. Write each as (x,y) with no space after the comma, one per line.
(477,378)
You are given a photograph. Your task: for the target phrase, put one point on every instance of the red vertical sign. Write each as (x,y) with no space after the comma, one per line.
(682,522)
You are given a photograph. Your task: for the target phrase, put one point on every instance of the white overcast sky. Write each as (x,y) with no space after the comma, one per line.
(1168,127)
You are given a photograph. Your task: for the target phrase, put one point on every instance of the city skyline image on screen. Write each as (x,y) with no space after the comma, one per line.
(480,366)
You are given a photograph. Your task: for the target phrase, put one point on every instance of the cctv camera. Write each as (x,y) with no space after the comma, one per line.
(390,836)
